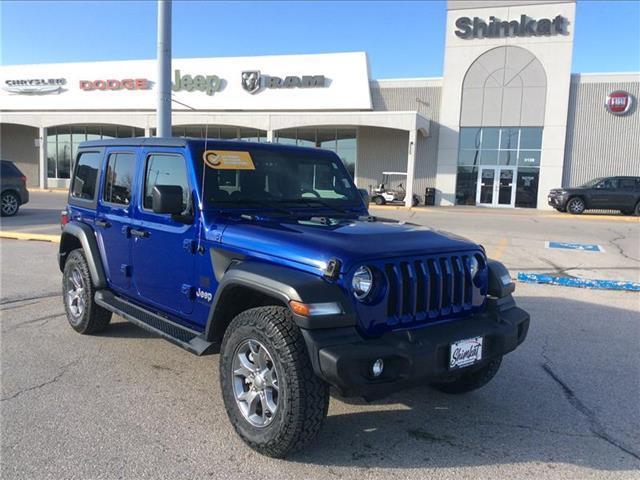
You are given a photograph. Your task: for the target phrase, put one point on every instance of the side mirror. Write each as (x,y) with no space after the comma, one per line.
(167,199)
(365,196)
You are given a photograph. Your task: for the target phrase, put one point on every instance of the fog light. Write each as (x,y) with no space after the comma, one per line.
(377,367)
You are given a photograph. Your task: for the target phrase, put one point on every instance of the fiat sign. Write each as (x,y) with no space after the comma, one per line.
(619,102)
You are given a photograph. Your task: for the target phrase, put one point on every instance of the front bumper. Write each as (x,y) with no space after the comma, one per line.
(557,201)
(343,358)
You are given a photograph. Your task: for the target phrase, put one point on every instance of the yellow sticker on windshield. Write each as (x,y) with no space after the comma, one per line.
(228,160)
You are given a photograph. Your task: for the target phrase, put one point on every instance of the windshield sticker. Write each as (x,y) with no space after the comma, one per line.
(228,160)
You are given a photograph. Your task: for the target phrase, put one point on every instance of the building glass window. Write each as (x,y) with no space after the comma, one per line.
(527,187)
(507,146)
(342,141)
(63,142)
(466,183)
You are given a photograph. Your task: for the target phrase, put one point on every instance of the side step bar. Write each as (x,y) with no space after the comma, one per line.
(180,335)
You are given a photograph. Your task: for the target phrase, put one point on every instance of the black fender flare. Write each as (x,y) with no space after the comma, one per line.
(283,284)
(500,282)
(86,236)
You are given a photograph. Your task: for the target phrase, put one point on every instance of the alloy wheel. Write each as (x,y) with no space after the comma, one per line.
(576,205)
(9,204)
(76,301)
(255,383)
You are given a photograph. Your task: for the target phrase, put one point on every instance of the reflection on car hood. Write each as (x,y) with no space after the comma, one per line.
(314,243)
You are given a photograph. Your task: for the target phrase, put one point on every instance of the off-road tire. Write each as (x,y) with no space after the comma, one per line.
(576,205)
(468,382)
(303,398)
(93,318)
(10,204)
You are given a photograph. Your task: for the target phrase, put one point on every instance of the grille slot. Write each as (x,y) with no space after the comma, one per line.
(428,288)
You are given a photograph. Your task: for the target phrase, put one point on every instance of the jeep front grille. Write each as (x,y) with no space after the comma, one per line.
(428,288)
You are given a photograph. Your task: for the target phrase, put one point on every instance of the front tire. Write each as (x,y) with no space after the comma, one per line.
(83,314)
(576,206)
(274,400)
(467,382)
(379,200)
(10,203)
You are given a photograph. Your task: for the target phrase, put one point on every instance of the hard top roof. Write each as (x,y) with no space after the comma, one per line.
(197,142)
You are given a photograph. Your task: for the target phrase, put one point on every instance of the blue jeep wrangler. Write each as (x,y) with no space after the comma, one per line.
(267,254)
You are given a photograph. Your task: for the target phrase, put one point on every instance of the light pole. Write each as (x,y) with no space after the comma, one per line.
(163,109)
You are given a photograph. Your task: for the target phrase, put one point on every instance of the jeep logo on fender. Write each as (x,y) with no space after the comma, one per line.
(619,102)
(252,81)
(478,28)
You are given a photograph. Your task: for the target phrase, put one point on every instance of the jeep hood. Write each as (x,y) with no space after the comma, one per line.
(350,241)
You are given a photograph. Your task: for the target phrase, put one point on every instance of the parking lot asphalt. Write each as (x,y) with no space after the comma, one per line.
(125,404)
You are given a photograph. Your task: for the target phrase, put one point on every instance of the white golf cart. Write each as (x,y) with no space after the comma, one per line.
(383,194)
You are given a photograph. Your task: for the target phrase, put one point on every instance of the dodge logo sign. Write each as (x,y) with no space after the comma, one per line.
(619,102)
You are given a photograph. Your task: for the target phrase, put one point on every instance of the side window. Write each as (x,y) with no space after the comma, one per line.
(86,177)
(119,178)
(609,183)
(165,169)
(628,183)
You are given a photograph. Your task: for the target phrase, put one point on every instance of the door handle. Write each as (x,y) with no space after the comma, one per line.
(139,233)
(103,223)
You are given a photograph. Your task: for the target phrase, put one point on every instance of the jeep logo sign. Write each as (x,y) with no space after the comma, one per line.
(478,28)
(253,81)
(619,102)
(202,83)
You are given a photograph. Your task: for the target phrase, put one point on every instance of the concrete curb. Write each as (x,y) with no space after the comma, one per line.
(578,282)
(39,237)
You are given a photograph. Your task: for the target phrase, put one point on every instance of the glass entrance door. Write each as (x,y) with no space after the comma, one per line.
(496,187)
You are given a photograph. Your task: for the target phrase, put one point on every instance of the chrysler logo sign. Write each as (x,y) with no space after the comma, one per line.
(35,86)
(619,102)
(253,81)
(478,28)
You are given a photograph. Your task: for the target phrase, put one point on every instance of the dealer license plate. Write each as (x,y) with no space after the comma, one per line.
(465,352)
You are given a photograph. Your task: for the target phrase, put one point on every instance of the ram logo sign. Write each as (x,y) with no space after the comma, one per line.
(253,81)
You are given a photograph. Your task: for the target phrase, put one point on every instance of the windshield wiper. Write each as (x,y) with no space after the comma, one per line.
(259,203)
(315,201)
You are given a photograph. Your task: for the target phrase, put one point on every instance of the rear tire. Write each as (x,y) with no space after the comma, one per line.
(10,203)
(576,206)
(468,382)
(272,396)
(83,314)
(636,211)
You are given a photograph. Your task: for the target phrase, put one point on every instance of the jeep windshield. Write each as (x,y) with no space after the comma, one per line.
(276,179)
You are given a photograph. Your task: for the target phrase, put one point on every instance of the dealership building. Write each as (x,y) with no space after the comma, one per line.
(505,123)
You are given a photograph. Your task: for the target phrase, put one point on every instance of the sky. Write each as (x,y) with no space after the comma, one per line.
(402,39)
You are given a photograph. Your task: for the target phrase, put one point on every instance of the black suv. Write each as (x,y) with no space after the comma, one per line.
(611,193)
(14,188)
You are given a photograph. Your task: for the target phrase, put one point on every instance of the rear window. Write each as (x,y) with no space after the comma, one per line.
(119,178)
(86,177)
(629,183)
(10,169)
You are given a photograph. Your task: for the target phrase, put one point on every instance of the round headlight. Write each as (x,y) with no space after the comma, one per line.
(362,282)
(473,265)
